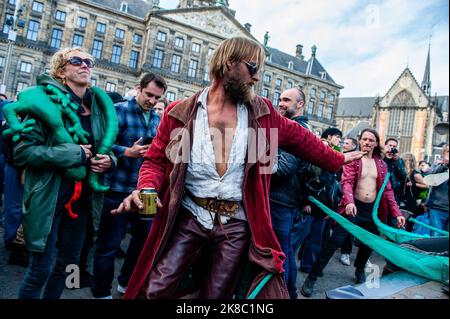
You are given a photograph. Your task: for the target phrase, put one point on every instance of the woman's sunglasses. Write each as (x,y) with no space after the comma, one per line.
(77,61)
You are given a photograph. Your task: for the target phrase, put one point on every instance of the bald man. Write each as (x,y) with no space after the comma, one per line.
(286,189)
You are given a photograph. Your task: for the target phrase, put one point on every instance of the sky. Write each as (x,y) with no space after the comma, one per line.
(363,45)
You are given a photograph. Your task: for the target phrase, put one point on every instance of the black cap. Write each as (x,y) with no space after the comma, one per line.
(331,131)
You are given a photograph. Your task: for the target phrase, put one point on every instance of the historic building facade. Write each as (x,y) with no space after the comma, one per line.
(129,38)
(406,112)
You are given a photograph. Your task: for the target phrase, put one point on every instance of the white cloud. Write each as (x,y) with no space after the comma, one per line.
(364,45)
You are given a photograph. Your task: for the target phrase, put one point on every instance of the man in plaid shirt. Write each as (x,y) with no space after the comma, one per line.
(138,123)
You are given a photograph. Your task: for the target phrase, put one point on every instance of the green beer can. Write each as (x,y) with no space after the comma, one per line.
(148,197)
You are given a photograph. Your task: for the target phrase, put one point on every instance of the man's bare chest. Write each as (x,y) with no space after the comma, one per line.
(369,169)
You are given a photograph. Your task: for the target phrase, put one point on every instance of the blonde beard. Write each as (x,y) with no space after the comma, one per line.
(239,91)
(252,94)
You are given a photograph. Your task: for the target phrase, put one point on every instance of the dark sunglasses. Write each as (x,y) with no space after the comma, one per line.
(77,61)
(252,67)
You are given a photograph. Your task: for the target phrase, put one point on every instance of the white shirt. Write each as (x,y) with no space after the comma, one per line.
(202,179)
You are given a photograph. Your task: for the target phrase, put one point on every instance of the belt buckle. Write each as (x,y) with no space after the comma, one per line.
(229,208)
(212,205)
(222,207)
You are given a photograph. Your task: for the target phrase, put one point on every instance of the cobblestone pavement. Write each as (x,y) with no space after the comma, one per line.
(11,276)
(335,275)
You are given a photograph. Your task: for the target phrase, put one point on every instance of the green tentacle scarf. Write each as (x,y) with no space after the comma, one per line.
(51,105)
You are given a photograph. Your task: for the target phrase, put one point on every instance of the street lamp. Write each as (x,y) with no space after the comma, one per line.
(12,22)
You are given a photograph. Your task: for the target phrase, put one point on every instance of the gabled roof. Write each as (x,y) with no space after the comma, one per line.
(317,69)
(138,8)
(310,67)
(356,131)
(191,18)
(355,106)
(283,59)
(406,70)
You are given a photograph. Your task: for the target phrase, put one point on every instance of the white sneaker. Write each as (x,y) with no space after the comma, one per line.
(368,263)
(345,259)
(121,289)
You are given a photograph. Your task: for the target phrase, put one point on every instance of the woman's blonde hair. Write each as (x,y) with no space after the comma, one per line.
(235,49)
(60,58)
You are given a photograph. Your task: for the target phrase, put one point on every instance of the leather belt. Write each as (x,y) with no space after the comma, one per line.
(223,207)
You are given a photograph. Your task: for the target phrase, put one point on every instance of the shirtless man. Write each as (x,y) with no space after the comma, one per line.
(366,188)
(361,181)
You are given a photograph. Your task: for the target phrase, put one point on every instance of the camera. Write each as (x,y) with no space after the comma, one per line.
(394,150)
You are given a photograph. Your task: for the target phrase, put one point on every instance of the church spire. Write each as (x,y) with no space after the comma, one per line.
(426,82)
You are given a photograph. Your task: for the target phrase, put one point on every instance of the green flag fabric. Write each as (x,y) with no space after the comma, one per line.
(421,264)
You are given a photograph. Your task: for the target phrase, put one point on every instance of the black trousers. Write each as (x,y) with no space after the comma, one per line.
(363,219)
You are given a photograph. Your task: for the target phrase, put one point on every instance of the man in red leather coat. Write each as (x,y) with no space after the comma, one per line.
(210,168)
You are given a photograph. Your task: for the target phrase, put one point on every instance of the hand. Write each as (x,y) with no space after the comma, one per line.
(132,203)
(87,150)
(100,163)
(401,221)
(352,156)
(137,150)
(442,161)
(307,210)
(350,210)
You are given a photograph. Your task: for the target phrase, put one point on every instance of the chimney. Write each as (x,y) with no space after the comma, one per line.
(248,27)
(299,51)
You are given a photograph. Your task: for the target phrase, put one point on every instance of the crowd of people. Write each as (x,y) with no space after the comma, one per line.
(228,215)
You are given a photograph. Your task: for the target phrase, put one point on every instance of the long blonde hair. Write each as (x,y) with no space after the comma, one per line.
(235,49)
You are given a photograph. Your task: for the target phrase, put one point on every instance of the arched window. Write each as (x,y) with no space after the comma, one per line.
(404,98)
(349,127)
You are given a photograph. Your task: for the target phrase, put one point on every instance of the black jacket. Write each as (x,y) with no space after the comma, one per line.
(398,175)
(323,186)
(286,185)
